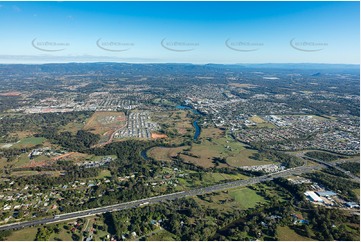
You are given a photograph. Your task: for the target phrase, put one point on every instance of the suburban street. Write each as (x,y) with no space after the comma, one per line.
(162,198)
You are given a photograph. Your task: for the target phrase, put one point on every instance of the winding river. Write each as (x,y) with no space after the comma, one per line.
(198,130)
(195,125)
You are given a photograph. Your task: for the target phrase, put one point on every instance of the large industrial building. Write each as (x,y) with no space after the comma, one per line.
(313,196)
(326,194)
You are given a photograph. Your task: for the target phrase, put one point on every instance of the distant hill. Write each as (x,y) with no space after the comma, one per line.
(292,66)
(120,68)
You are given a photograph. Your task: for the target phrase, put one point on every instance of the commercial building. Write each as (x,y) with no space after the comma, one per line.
(326,194)
(313,196)
(352,205)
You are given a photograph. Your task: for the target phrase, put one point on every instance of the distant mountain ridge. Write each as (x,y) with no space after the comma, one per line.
(118,68)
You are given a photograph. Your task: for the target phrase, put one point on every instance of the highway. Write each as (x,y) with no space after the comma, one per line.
(333,165)
(162,198)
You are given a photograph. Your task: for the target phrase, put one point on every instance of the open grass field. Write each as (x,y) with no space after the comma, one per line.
(29,142)
(213,178)
(212,133)
(105,123)
(161,235)
(176,124)
(208,179)
(163,101)
(181,122)
(231,200)
(243,159)
(246,197)
(203,155)
(26,234)
(15,138)
(165,153)
(257,119)
(220,201)
(104,174)
(3,162)
(261,123)
(24,173)
(62,235)
(29,234)
(215,143)
(287,234)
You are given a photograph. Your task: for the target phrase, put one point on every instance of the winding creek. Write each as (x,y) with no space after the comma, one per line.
(198,130)
(195,125)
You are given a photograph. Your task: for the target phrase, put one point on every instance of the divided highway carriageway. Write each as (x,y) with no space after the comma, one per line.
(162,198)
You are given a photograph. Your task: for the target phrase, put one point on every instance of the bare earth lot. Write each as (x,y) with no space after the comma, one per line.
(105,123)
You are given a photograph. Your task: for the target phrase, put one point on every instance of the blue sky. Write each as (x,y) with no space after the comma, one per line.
(192,32)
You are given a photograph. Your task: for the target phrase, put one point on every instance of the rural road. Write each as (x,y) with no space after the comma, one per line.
(162,198)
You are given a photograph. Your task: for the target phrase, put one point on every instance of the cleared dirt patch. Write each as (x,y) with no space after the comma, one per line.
(158,136)
(105,123)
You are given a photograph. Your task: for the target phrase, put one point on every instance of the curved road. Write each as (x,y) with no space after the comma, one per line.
(330,164)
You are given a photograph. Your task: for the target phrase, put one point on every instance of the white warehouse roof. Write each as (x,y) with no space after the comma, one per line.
(313,196)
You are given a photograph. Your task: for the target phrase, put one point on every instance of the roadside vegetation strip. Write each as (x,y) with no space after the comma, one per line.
(151,200)
(354,178)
